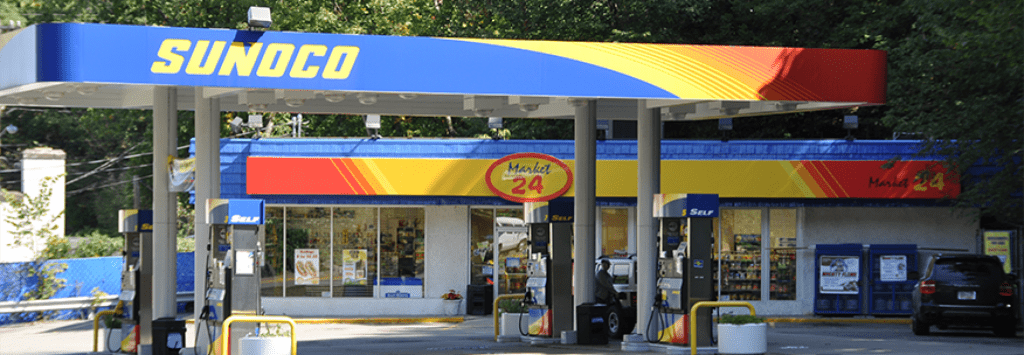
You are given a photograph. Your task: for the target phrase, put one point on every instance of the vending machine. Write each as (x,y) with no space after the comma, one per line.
(233,268)
(134,225)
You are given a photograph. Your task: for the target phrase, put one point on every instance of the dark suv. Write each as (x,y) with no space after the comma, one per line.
(964,290)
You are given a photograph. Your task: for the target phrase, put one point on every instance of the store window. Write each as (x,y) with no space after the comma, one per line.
(308,249)
(354,266)
(481,225)
(272,281)
(513,250)
(615,232)
(401,252)
(741,254)
(782,254)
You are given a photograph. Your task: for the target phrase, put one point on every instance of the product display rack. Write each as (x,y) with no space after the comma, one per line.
(783,274)
(741,275)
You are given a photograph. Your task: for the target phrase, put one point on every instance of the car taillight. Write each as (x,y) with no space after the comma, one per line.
(1005,289)
(927,287)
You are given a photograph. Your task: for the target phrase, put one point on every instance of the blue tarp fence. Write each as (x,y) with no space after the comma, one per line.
(81,277)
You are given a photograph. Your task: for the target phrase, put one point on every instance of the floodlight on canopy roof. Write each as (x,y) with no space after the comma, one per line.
(120,65)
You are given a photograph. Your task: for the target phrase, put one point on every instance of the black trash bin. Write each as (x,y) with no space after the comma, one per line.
(168,336)
(479,299)
(590,324)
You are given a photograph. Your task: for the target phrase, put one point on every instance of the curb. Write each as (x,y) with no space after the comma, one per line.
(840,320)
(385,320)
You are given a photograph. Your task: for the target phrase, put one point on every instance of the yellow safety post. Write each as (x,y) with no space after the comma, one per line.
(226,328)
(96,324)
(495,309)
(693,318)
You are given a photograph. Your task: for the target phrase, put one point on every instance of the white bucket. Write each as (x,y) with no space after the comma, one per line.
(743,338)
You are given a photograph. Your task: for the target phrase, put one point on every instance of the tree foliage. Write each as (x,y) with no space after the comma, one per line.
(954,73)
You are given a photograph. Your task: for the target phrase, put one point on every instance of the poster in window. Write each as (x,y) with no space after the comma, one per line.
(892,268)
(839,274)
(353,268)
(307,266)
(998,243)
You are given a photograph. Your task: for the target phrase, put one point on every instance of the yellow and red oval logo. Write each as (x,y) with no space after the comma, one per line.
(529,177)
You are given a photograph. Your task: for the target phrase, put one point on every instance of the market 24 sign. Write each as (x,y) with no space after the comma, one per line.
(529,177)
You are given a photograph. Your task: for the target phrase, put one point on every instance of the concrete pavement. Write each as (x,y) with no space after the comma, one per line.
(474,335)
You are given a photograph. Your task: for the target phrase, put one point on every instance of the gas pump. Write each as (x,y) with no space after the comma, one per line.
(233,267)
(538,299)
(670,304)
(684,266)
(134,225)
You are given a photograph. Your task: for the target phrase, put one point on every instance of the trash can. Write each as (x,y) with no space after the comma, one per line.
(590,324)
(479,299)
(168,336)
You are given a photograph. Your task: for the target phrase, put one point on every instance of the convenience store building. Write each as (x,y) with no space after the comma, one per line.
(417,219)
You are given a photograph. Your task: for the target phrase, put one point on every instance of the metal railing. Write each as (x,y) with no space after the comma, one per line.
(693,319)
(226,328)
(495,309)
(59,304)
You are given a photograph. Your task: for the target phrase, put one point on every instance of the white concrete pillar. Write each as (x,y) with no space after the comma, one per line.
(165,243)
(648,181)
(585,201)
(207,185)
(37,164)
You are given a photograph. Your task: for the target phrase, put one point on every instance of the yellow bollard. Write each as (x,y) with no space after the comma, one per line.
(226,328)
(693,318)
(495,309)
(96,324)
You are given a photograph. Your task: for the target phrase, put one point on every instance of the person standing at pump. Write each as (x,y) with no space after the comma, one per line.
(605,288)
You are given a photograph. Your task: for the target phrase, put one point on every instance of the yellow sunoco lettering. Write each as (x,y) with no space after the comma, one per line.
(238,58)
(172,62)
(299,69)
(196,65)
(333,71)
(269,67)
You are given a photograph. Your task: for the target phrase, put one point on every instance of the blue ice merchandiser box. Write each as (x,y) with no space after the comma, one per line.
(838,270)
(891,289)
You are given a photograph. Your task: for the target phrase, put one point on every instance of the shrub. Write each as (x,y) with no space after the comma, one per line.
(740,319)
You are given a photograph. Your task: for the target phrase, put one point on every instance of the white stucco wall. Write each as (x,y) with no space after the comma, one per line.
(928,227)
(446,257)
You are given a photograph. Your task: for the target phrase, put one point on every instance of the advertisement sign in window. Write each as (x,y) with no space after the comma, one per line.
(840,274)
(307,266)
(892,268)
(353,268)
(998,243)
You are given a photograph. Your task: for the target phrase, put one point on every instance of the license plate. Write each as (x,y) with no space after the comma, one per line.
(966,295)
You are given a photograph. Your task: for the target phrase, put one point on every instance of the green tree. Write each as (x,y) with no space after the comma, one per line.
(956,79)
(33,226)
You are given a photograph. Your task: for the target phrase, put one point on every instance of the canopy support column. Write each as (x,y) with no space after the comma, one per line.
(585,201)
(207,186)
(165,243)
(648,183)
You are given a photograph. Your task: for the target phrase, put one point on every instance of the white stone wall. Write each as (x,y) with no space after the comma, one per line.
(36,164)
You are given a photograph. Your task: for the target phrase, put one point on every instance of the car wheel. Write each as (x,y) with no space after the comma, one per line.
(919,327)
(1007,329)
(615,322)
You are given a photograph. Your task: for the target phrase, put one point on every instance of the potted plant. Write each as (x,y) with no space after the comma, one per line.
(513,318)
(742,334)
(451,299)
(113,336)
(270,341)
